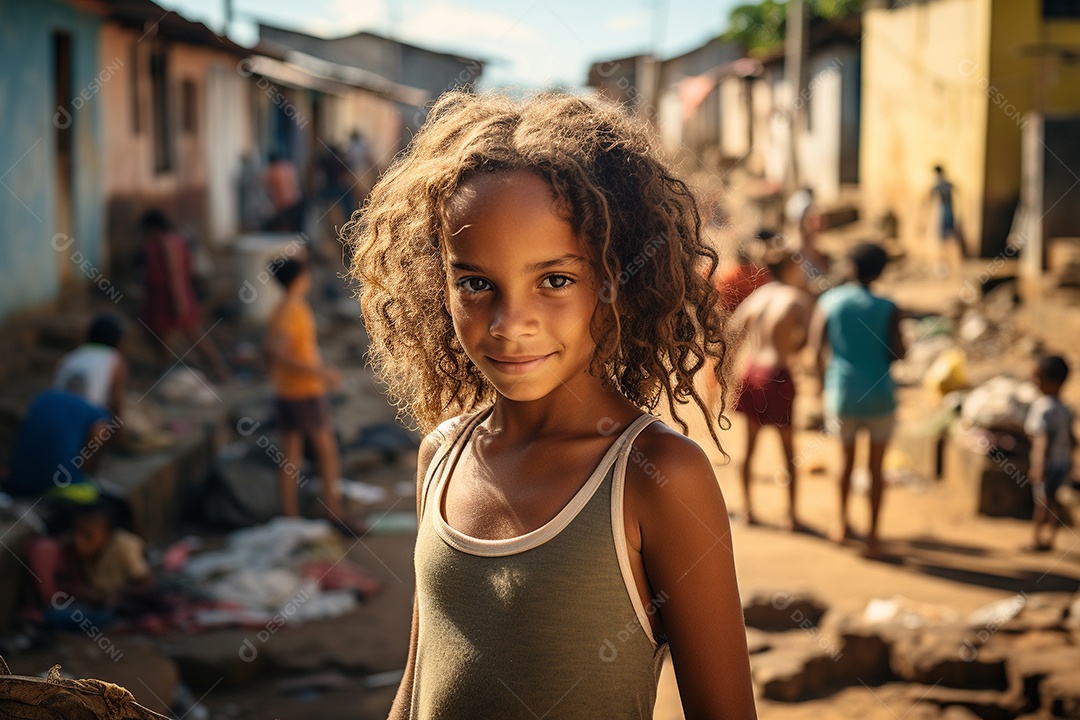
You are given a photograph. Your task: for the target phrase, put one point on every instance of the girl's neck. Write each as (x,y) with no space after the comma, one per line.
(580,408)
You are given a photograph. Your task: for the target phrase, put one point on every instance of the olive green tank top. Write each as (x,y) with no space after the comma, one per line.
(546,625)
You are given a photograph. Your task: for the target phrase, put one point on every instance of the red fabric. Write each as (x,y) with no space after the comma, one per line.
(767,395)
(159,312)
(341,576)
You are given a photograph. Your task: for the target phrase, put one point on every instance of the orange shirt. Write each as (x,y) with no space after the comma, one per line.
(295,323)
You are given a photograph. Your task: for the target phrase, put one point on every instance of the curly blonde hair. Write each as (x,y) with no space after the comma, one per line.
(659,320)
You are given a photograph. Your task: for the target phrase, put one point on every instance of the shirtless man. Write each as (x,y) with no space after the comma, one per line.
(775,318)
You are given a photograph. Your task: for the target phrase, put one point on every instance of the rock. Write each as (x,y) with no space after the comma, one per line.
(985,704)
(958,712)
(863,658)
(1028,668)
(782,610)
(949,656)
(758,641)
(1060,693)
(792,673)
(1072,616)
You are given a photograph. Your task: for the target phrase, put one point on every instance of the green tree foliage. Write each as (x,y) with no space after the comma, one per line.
(761,26)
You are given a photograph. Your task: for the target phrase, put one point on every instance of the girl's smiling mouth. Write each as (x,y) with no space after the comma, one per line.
(518,365)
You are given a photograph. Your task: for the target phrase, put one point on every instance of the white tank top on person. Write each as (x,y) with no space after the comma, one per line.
(96,364)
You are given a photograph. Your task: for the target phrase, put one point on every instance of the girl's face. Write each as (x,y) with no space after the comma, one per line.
(520,288)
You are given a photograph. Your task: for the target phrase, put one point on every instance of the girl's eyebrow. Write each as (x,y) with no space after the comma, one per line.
(567,259)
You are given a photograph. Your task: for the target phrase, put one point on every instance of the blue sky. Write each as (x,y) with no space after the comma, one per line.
(531,44)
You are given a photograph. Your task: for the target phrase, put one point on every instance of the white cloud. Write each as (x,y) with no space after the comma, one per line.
(347,16)
(626,22)
(441,23)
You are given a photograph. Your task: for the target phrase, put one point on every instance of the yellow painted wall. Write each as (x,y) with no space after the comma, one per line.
(1017,29)
(923,106)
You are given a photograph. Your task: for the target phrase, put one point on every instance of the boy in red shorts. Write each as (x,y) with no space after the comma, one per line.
(775,318)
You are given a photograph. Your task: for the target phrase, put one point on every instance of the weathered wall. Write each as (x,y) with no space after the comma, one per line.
(922,105)
(32,268)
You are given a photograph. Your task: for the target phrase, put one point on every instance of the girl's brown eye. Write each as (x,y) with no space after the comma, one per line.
(474,284)
(558,282)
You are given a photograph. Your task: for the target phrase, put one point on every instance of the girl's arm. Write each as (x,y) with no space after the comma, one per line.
(686,548)
(403,700)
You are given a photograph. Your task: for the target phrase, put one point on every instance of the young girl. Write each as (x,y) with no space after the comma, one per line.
(532,280)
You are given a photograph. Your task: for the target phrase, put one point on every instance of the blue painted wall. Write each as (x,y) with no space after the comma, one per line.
(29,259)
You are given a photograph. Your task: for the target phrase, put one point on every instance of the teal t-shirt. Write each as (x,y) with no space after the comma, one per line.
(857,380)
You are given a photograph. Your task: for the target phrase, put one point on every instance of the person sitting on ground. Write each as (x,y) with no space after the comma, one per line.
(1049,423)
(100,363)
(301,380)
(857,337)
(775,318)
(58,445)
(96,571)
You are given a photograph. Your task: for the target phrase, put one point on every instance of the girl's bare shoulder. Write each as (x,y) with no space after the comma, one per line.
(666,466)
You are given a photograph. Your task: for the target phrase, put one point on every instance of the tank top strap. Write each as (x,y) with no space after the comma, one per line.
(450,434)
(618,521)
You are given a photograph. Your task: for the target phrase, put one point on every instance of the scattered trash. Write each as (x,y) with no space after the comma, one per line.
(361,491)
(999,403)
(973,327)
(185,386)
(947,373)
(907,613)
(998,612)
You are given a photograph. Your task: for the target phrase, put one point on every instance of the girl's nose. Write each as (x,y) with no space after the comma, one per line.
(513,318)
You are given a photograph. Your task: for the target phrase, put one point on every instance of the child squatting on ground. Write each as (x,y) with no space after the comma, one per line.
(1049,423)
(531,282)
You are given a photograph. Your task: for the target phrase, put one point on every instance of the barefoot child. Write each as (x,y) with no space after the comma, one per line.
(857,337)
(1049,423)
(530,281)
(301,380)
(774,318)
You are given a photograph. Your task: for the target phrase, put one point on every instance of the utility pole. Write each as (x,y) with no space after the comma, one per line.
(795,47)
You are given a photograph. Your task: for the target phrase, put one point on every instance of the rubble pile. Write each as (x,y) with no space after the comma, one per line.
(1013,658)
